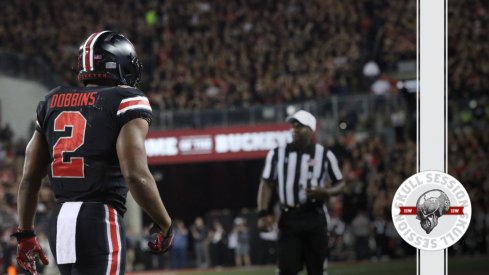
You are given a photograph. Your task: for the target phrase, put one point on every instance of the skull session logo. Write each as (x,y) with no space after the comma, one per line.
(431,210)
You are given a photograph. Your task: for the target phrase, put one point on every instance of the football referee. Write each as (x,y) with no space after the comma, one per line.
(298,172)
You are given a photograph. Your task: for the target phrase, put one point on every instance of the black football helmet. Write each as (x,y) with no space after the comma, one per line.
(108,56)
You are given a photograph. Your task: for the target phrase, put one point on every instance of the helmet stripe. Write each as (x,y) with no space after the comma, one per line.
(88,51)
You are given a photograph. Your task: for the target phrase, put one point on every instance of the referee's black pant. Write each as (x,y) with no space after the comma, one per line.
(100,241)
(303,240)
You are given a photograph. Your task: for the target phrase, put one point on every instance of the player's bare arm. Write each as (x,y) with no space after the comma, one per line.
(134,168)
(35,169)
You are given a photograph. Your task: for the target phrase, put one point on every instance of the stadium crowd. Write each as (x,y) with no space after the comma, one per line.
(206,54)
(467,48)
(223,54)
(219,54)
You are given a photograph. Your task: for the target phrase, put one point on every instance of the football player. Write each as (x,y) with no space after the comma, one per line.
(90,142)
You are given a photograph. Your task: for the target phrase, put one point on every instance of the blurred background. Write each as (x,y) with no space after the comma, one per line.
(221,77)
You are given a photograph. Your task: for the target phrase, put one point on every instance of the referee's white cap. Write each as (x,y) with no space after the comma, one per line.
(305,118)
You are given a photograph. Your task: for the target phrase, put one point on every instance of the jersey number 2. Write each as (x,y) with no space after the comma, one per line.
(74,167)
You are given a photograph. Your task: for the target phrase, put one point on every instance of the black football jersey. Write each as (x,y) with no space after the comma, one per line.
(81,126)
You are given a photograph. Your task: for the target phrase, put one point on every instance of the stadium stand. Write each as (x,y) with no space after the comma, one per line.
(219,54)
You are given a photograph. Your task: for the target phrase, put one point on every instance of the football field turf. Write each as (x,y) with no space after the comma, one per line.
(469,266)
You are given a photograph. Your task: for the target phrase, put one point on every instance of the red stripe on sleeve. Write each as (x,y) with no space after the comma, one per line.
(133,102)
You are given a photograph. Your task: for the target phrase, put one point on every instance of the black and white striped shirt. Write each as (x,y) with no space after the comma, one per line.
(295,170)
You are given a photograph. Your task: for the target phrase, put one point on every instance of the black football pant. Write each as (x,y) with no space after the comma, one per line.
(100,241)
(303,240)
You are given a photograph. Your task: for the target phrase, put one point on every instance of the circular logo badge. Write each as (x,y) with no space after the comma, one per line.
(431,210)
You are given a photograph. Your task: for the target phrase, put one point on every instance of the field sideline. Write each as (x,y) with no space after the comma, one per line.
(469,266)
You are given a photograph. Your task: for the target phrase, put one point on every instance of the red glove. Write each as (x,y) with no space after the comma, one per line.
(162,243)
(28,250)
